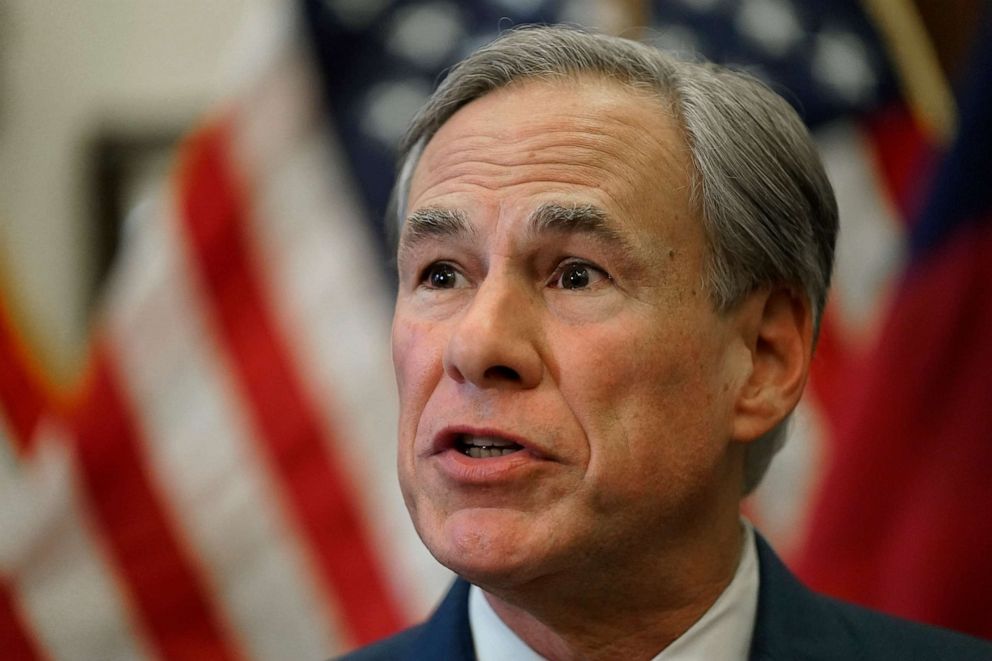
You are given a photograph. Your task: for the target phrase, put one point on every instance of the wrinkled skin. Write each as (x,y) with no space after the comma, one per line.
(593,346)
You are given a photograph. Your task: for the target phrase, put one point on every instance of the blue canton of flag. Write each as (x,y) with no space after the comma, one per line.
(381,59)
(826,58)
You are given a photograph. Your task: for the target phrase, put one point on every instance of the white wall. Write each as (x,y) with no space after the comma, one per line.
(66,68)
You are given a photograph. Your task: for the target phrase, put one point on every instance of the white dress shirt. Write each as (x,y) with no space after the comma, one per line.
(723,633)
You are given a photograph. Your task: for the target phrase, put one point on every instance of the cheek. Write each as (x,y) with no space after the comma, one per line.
(636,361)
(414,360)
(649,406)
(417,360)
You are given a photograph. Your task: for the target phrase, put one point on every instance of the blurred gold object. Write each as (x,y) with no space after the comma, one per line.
(917,66)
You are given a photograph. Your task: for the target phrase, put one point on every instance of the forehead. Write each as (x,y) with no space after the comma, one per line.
(578,140)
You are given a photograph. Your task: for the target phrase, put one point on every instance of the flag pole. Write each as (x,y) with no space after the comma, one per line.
(917,67)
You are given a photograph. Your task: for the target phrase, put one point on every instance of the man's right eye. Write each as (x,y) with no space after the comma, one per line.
(441,275)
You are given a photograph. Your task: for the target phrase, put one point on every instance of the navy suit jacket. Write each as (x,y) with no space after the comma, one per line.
(792,624)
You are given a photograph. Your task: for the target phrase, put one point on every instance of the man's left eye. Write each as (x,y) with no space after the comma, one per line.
(578,275)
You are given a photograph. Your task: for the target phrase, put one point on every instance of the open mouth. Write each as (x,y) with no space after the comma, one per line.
(482,447)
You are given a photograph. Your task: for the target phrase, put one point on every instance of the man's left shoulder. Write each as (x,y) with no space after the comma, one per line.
(880,636)
(794,623)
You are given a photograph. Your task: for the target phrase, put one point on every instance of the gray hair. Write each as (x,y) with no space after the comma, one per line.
(768,211)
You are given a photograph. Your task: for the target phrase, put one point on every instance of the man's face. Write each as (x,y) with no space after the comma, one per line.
(567,390)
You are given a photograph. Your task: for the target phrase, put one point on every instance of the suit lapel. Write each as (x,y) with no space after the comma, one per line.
(793,623)
(447,634)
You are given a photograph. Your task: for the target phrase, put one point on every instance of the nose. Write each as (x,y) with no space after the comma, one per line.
(494,343)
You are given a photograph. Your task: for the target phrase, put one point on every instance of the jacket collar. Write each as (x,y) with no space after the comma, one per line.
(447,634)
(792,622)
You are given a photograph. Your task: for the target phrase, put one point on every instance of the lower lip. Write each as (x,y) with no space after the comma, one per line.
(488,470)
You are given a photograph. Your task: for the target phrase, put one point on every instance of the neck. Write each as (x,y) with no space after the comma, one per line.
(635,614)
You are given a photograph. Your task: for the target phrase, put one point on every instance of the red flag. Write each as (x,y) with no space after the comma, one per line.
(902,520)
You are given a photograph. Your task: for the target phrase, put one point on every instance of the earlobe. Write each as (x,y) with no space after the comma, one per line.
(777,325)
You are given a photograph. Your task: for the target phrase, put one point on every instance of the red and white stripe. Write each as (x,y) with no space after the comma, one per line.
(55,566)
(326,293)
(202,450)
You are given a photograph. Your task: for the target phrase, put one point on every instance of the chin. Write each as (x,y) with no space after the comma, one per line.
(486,547)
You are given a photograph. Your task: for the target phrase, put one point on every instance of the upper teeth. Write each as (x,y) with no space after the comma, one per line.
(487,442)
(481,447)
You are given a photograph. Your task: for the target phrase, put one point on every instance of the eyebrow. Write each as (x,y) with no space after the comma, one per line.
(549,218)
(576,219)
(433,222)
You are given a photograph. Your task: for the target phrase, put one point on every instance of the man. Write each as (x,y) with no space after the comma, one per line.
(611,269)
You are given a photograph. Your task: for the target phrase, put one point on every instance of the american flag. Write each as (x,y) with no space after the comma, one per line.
(221,484)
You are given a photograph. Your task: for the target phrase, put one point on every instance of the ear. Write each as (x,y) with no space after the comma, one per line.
(777,326)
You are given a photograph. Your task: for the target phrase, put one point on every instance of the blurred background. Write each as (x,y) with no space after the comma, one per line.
(196,401)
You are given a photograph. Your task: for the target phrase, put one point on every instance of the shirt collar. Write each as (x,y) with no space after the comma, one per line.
(723,633)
